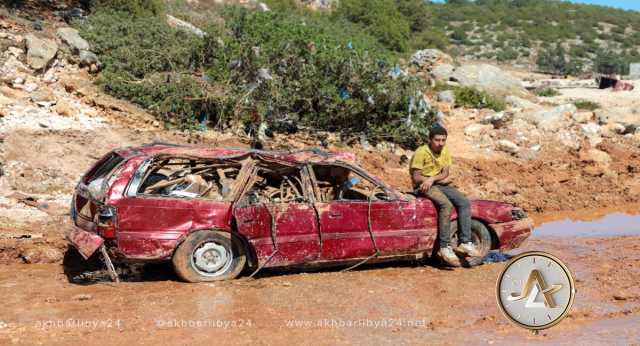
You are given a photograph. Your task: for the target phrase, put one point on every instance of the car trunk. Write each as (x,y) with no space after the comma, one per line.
(88,208)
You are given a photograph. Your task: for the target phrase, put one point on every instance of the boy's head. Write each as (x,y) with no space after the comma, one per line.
(437,138)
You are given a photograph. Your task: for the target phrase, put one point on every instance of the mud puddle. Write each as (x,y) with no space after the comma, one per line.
(611,225)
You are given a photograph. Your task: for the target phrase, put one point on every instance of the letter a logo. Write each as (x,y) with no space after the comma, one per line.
(535,284)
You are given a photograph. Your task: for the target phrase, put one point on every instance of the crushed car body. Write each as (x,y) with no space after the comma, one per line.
(215,212)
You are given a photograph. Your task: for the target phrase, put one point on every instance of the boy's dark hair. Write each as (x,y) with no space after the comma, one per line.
(437,129)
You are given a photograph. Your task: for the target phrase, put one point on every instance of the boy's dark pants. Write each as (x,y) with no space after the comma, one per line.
(445,197)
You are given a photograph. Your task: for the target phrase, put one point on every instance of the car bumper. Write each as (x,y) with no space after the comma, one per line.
(85,242)
(512,234)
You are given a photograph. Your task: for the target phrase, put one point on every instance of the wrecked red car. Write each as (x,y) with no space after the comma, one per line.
(215,212)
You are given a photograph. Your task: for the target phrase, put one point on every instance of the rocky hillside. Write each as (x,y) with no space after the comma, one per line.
(550,35)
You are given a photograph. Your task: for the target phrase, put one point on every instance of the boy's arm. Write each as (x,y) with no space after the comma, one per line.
(424,183)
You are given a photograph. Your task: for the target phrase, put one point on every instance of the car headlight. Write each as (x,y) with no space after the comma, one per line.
(518,214)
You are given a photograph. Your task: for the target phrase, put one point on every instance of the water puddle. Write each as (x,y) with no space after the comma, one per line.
(612,225)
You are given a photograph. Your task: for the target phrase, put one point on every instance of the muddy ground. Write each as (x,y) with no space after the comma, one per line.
(405,303)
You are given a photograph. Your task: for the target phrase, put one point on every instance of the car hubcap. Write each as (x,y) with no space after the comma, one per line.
(211,259)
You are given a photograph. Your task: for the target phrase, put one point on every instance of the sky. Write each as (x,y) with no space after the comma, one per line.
(625,4)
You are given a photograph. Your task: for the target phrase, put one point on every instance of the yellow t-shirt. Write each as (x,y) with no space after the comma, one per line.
(430,164)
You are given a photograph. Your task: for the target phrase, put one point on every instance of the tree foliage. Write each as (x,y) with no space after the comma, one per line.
(259,66)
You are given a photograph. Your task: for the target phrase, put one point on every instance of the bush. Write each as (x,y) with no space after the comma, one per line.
(259,66)
(474,98)
(135,7)
(507,55)
(547,92)
(586,105)
(609,62)
(381,18)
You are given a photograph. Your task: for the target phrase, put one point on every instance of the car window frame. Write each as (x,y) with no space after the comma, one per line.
(357,171)
(305,180)
(142,172)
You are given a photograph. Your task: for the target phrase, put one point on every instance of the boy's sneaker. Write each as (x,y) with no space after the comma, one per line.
(449,257)
(468,249)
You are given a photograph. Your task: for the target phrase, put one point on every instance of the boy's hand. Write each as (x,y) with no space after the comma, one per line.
(426,185)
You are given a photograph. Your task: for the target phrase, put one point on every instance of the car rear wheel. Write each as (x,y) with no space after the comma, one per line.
(480,237)
(209,256)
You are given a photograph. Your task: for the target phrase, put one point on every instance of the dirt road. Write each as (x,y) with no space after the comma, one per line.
(403,303)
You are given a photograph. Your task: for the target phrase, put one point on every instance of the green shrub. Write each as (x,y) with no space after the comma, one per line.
(507,55)
(381,18)
(547,92)
(474,98)
(259,66)
(586,105)
(135,7)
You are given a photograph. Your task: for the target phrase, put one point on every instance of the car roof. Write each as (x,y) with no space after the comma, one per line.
(298,156)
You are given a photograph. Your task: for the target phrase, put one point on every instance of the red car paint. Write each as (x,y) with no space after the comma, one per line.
(150,228)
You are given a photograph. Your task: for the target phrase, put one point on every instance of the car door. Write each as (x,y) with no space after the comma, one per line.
(282,231)
(345,220)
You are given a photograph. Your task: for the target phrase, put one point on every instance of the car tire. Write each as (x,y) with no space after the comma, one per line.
(481,238)
(209,256)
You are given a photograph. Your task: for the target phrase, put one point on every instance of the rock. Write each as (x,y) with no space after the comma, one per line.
(365,143)
(30,87)
(38,25)
(507,146)
(620,297)
(385,147)
(498,120)
(12,93)
(610,130)
(569,139)
(15,51)
(442,71)
(40,51)
(447,96)
(43,95)
(82,296)
(185,26)
(475,130)
(521,125)
(72,14)
(42,254)
(72,38)
(517,102)
(430,57)
(88,58)
(595,155)
(490,79)
(262,7)
(63,108)
(552,119)
(6,101)
(582,117)
(13,69)
(621,115)
(592,132)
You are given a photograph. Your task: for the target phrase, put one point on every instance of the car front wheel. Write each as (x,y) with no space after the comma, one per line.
(209,256)
(480,237)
